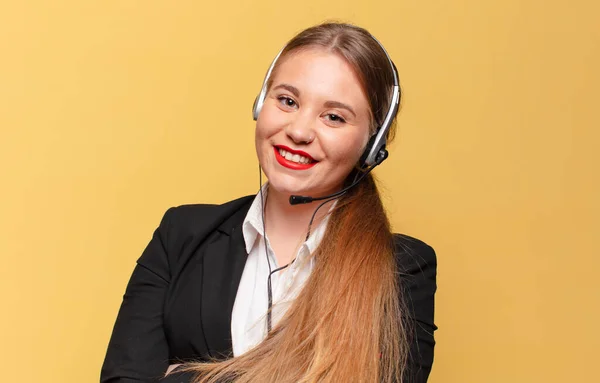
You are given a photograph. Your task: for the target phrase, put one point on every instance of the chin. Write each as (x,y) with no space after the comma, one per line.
(285,187)
(293,187)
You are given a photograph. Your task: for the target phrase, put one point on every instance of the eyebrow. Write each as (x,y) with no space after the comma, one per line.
(337,104)
(289,88)
(328,104)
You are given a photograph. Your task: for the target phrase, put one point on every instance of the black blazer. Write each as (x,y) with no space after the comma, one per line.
(178,302)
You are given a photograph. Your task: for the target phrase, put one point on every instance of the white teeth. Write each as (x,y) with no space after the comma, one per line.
(294,157)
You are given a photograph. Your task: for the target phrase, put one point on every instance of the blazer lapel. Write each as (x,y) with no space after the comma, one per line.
(223,264)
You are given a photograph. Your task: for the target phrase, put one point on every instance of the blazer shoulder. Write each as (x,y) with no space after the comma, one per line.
(196,216)
(192,224)
(413,255)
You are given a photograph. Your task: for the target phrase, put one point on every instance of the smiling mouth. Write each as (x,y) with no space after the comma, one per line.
(293,159)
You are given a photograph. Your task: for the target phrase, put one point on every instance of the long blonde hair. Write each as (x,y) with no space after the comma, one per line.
(345,325)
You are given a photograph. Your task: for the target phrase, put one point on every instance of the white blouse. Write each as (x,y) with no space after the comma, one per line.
(249,319)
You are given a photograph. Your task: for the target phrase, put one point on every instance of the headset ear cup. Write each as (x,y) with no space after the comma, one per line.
(363,158)
(381,156)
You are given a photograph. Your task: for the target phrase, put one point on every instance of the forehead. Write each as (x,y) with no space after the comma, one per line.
(320,73)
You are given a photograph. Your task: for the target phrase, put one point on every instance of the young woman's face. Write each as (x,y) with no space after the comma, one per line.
(314,124)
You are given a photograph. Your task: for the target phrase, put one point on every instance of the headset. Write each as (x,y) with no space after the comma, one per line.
(375,151)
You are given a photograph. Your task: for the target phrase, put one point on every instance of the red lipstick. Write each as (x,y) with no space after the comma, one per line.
(291,164)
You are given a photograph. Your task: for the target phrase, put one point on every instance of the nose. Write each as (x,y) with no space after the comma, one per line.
(301,130)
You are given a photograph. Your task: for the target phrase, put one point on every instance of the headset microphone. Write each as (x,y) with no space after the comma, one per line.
(300,199)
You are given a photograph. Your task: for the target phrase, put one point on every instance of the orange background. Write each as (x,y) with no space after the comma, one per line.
(113,111)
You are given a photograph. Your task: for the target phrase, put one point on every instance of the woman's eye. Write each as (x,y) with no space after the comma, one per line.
(290,103)
(335,118)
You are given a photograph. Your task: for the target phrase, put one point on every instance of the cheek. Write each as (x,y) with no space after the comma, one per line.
(268,121)
(267,125)
(346,151)
(264,129)
(259,142)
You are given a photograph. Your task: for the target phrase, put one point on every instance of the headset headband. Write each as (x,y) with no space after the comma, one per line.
(375,151)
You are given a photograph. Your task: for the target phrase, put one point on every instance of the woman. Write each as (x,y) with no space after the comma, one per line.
(326,295)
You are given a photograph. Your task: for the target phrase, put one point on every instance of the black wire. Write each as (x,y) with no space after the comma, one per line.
(315,213)
(269,288)
(271,272)
(270,295)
